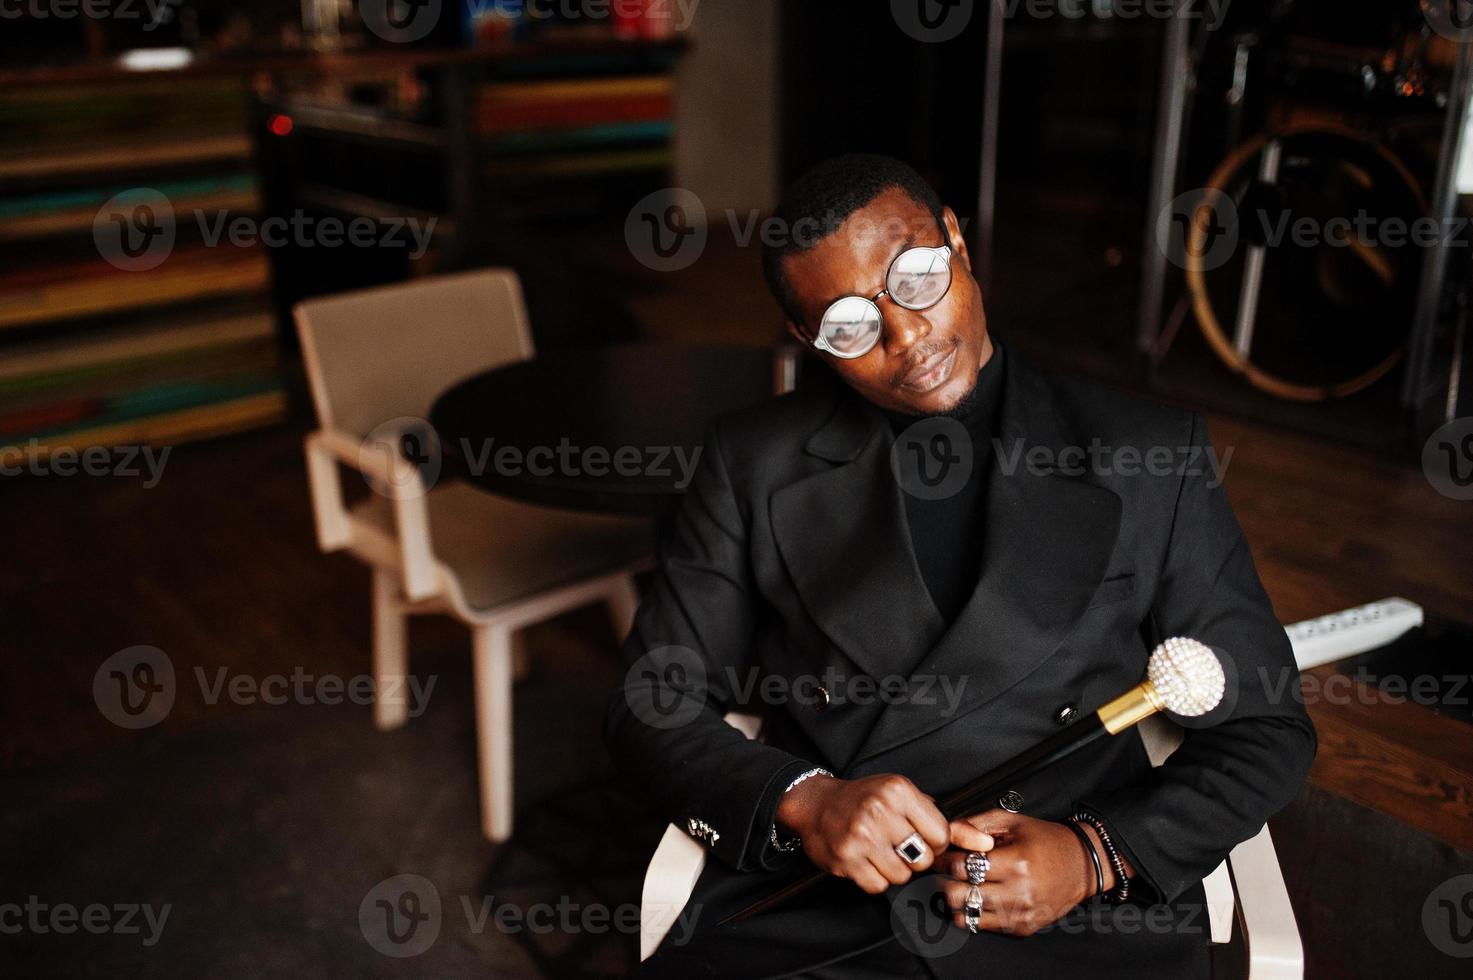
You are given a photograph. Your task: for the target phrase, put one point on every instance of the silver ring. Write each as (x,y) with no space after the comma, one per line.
(978,864)
(912,849)
(972,908)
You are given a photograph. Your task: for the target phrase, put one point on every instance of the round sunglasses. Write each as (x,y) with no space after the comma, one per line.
(918,279)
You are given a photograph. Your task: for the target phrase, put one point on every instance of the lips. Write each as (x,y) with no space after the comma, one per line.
(930,373)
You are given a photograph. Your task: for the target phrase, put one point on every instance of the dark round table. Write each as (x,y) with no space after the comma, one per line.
(609,429)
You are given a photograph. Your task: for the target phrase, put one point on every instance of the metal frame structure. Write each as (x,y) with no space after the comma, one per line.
(1418,385)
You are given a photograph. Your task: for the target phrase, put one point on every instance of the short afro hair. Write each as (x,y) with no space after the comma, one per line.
(823,198)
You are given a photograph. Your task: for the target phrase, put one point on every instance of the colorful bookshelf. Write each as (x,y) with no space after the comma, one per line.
(93,351)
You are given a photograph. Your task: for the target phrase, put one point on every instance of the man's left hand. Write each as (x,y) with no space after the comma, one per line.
(1039,871)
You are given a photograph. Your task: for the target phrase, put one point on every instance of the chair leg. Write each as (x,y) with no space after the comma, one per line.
(390,653)
(493,674)
(623,602)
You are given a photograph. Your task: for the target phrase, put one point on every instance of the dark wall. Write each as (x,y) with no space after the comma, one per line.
(853,81)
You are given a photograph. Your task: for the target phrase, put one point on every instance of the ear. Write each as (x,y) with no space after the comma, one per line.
(955,238)
(797,333)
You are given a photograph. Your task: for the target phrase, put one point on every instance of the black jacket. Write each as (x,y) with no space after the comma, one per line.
(788,567)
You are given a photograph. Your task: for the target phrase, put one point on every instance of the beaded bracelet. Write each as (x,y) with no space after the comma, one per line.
(1121,891)
(1094,855)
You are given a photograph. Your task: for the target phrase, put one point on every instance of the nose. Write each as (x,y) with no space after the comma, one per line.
(903,328)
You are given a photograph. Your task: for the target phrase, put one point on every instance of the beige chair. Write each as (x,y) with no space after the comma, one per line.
(376,359)
(1249,882)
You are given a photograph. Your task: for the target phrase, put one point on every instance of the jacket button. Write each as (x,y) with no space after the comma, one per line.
(1066,714)
(1012,801)
(821,698)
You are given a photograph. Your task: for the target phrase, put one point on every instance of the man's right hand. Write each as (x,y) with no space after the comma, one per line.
(850,827)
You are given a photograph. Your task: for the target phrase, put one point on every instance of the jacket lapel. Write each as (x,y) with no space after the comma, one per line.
(1048,539)
(843,537)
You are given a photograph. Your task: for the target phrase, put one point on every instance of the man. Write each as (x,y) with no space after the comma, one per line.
(914,576)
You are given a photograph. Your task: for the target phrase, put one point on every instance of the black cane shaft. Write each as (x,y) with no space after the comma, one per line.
(975,796)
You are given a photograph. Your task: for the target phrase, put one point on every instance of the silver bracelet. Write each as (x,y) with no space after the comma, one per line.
(794,843)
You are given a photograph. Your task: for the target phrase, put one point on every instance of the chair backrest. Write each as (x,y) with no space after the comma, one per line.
(385,353)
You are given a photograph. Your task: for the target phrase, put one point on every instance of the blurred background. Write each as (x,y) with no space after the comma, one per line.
(1253,209)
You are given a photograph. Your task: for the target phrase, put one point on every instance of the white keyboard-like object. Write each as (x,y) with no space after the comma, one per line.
(1345,634)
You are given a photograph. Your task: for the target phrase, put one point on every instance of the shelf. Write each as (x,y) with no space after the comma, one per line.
(346,63)
(168,428)
(123,156)
(354,121)
(78,220)
(26,365)
(100,288)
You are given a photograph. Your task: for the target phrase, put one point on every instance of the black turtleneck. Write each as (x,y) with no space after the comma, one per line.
(946,534)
